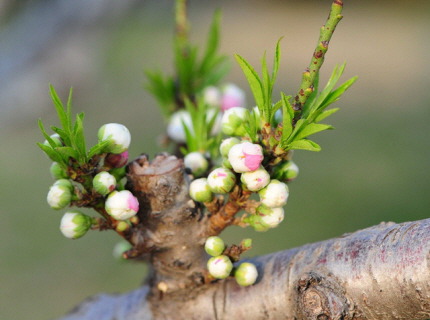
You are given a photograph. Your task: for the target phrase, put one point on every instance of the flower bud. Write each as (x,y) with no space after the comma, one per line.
(246,243)
(122,226)
(200,191)
(226,164)
(212,96)
(57,140)
(255,180)
(104,183)
(275,194)
(214,246)
(226,145)
(120,248)
(232,96)
(65,183)
(221,180)
(246,274)
(57,171)
(175,128)
(286,171)
(220,267)
(233,120)
(245,157)
(270,217)
(116,160)
(197,163)
(117,134)
(121,205)
(75,224)
(59,195)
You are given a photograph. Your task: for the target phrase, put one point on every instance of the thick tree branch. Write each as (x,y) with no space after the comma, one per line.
(377,273)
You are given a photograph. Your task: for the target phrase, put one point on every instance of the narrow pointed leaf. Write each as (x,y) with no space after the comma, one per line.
(325,114)
(304,144)
(312,128)
(253,80)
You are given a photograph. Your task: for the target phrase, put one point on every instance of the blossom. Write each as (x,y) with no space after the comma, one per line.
(221,180)
(75,224)
(255,180)
(122,205)
(275,194)
(245,157)
(220,267)
(118,136)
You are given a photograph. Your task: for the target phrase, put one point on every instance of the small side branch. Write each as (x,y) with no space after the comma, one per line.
(310,74)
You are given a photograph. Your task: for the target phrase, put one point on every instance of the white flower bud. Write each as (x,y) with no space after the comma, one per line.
(246,274)
(216,128)
(286,171)
(121,205)
(255,180)
(233,120)
(226,145)
(120,248)
(275,194)
(117,134)
(245,157)
(75,224)
(175,128)
(220,267)
(270,217)
(197,163)
(104,183)
(212,96)
(214,246)
(59,195)
(232,96)
(200,191)
(221,180)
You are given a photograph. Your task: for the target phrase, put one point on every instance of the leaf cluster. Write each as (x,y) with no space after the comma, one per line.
(71,134)
(193,73)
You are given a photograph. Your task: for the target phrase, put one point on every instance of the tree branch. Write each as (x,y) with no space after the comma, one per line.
(377,273)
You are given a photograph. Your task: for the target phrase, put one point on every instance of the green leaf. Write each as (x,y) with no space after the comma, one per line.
(336,94)
(287,117)
(276,61)
(79,137)
(212,43)
(98,148)
(325,114)
(304,144)
(51,153)
(62,115)
(299,125)
(253,80)
(312,97)
(312,128)
(67,152)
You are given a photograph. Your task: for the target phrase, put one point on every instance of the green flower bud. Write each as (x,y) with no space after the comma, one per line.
(104,183)
(286,171)
(226,164)
(65,183)
(197,163)
(120,248)
(57,171)
(214,246)
(118,136)
(200,191)
(233,121)
(59,195)
(118,173)
(275,194)
(246,274)
(221,180)
(226,145)
(220,267)
(255,222)
(75,224)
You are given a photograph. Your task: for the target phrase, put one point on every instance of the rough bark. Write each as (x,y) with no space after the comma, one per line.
(377,273)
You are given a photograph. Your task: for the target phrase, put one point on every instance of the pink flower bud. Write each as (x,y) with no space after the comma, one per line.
(116,160)
(122,205)
(245,157)
(232,96)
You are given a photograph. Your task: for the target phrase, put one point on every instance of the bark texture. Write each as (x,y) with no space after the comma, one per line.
(377,273)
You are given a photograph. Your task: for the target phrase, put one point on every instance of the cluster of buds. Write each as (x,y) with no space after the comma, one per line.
(217,100)
(220,266)
(119,204)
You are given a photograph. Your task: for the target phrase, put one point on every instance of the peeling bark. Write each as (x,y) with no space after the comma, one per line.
(377,273)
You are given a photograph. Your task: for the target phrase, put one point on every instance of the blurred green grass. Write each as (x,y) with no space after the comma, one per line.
(373,167)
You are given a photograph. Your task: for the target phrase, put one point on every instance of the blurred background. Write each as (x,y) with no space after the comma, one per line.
(374,167)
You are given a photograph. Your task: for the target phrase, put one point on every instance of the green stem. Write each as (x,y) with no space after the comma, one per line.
(317,60)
